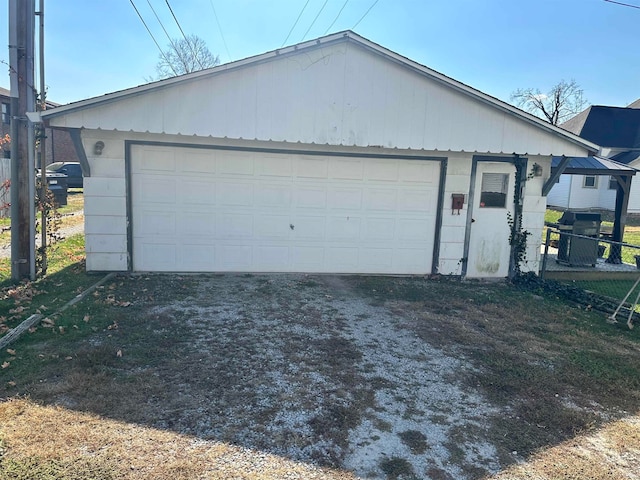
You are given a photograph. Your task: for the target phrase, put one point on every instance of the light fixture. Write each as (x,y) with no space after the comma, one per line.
(537,170)
(97,148)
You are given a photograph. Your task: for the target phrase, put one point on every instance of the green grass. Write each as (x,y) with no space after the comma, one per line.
(65,279)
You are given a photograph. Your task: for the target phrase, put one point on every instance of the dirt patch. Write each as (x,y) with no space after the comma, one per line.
(385,378)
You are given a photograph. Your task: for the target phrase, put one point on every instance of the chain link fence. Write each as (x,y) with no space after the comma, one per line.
(607,272)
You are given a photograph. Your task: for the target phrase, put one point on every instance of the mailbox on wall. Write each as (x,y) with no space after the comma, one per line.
(457,203)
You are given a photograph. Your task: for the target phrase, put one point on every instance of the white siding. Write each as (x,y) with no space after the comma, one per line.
(453,224)
(634,197)
(534,207)
(105,204)
(340,94)
(560,192)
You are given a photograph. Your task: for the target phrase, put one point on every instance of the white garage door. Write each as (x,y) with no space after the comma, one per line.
(197,210)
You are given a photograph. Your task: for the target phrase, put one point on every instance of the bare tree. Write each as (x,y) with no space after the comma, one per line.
(563,101)
(185,55)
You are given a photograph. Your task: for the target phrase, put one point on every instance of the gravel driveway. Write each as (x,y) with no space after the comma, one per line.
(324,375)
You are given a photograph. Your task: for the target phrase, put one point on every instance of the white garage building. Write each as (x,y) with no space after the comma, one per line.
(333,155)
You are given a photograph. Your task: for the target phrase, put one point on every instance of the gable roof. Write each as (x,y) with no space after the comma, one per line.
(635,104)
(541,127)
(607,126)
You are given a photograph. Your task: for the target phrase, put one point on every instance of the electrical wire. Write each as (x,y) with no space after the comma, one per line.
(623,4)
(335,19)
(365,14)
(314,20)
(220,28)
(295,23)
(160,22)
(154,38)
(195,55)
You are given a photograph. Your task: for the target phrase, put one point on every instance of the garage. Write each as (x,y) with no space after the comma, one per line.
(196,209)
(334,155)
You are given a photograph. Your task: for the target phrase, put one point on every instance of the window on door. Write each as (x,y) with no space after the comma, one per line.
(590,181)
(494,190)
(613,183)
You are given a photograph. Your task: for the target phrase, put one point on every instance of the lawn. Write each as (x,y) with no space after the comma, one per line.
(631,233)
(70,215)
(296,376)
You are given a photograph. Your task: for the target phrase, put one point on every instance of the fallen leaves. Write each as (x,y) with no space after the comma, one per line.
(47,322)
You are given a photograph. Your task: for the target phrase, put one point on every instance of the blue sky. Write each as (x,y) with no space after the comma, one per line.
(95,47)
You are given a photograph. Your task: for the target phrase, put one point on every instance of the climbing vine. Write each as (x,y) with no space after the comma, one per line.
(517,235)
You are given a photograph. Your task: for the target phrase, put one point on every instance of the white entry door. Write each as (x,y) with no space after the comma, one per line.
(489,249)
(208,210)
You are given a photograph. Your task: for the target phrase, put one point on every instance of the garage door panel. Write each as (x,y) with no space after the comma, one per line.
(342,259)
(380,229)
(275,166)
(312,198)
(380,258)
(308,256)
(271,258)
(273,226)
(346,169)
(196,224)
(345,198)
(416,200)
(410,259)
(152,190)
(161,257)
(234,225)
(381,199)
(343,228)
(306,167)
(155,160)
(234,194)
(414,230)
(235,163)
(193,193)
(234,257)
(197,163)
(273,195)
(199,210)
(385,171)
(309,227)
(155,222)
(198,258)
(423,172)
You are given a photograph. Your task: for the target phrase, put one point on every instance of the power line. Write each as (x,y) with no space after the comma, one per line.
(154,38)
(623,4)
(335,19)
(314,20)
(365,14)
(160,22)
(295,23)
(220,28)
(195,55)
(178,52)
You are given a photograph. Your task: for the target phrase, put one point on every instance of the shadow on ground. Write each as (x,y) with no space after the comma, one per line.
(382,377)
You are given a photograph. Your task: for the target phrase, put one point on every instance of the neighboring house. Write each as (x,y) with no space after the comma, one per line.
(617,131)
(333,155)
(59,147)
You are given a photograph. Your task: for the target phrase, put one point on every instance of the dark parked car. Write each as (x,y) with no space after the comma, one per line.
(72,170)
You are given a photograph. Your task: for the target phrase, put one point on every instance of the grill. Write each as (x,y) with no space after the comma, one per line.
(578,251)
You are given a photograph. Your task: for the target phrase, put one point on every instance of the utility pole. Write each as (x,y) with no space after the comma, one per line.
(21,48)
(43,143)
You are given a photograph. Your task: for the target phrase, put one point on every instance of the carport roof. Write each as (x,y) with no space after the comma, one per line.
(593,165)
